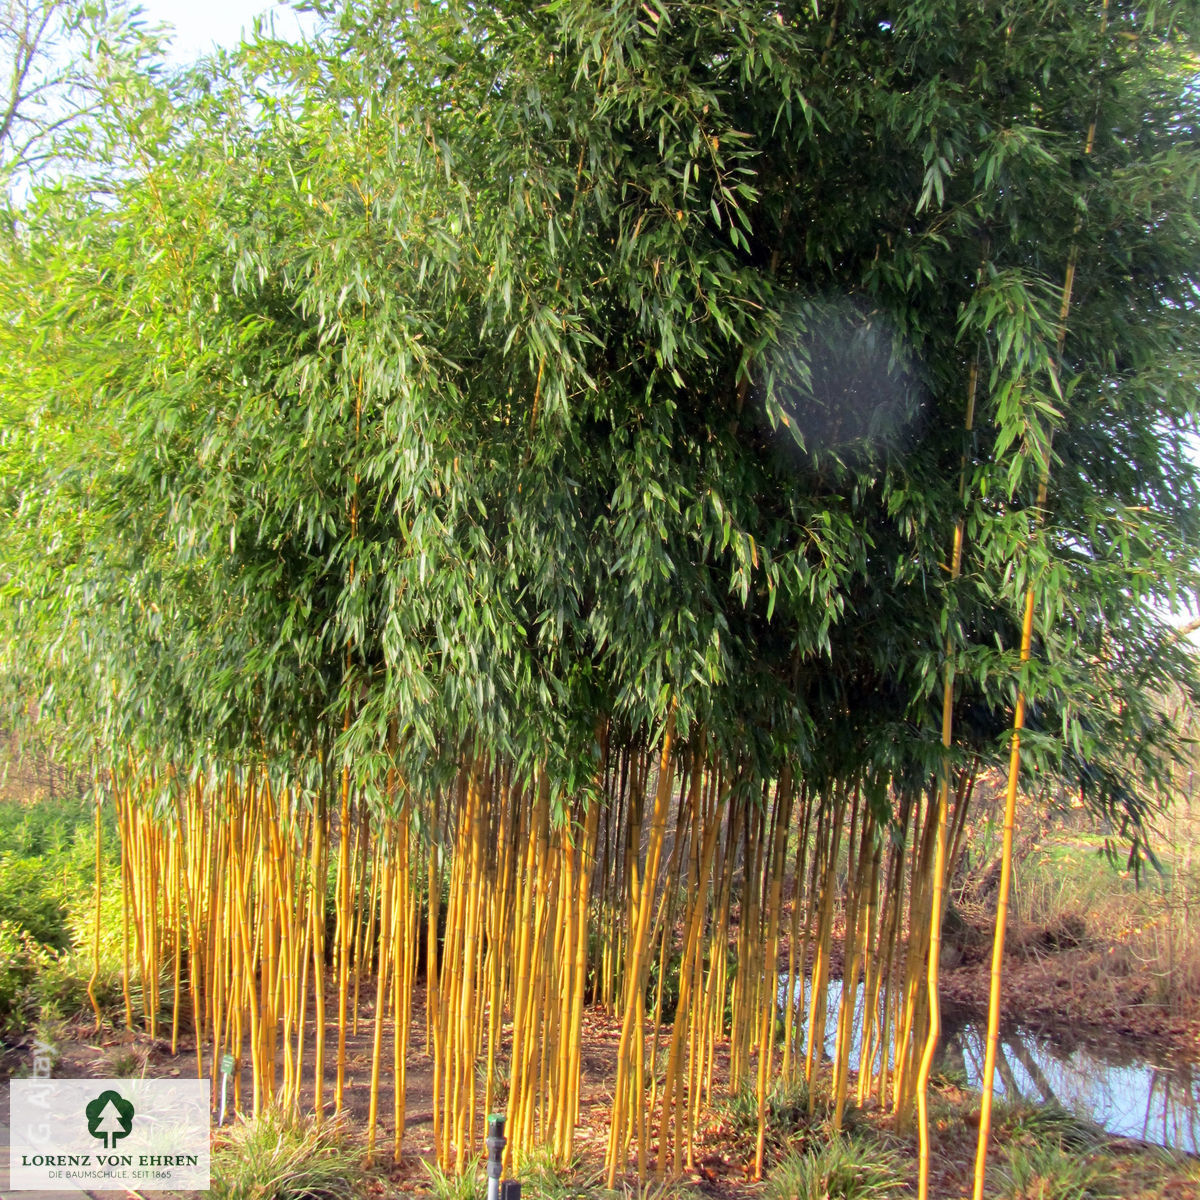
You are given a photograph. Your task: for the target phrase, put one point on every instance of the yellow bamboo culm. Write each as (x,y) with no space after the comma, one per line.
(688,867)
(674,1102)
(527,1007)
(383,966)
(317,869)
(98,834)
(767,1004)
(796,951)
(630,1053)
(859,905)
(404,926)
(579,965)
(344,931)
(818,989)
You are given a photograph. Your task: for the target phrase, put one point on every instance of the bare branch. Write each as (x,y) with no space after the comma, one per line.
(23,41)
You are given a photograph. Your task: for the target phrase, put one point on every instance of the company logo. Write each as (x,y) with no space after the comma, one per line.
(110,1118)
(129,1135)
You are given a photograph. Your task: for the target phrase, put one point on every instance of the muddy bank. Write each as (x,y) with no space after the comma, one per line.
(1075,992)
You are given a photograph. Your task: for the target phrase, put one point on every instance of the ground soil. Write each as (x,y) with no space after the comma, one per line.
(724,1159)
(724,1156)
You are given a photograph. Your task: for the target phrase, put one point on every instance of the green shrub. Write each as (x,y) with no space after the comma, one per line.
(46,827)
(47,870)
(21,960)
(47,911)
(31,897)
(62,981)
(670,991)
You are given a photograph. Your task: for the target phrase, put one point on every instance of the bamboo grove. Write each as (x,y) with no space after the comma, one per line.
(542,508)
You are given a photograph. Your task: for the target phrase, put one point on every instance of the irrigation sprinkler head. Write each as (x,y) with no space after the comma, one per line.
(495,1142)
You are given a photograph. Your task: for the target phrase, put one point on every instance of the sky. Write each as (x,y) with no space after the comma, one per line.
(202,24)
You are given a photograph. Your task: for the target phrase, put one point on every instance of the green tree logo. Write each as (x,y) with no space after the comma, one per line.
(109,1118)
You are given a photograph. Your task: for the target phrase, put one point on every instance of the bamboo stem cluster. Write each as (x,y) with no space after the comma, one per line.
(702,906)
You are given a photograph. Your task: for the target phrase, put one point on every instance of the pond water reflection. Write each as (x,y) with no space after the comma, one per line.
(1135,1090)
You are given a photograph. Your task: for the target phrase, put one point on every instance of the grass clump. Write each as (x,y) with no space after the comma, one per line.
(1050,1172)
(1053,1155)
(1054,1126)
(1143,1173)
(449,1185)
(787,1111)
(544,1179)
(842,1168)
(274,1157)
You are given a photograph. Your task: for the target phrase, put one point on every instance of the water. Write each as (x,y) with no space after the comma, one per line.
(1139,1092)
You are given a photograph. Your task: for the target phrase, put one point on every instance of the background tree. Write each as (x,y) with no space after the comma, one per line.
(64,64)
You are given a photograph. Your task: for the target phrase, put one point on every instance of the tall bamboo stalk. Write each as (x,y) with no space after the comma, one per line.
(642,897)
(1014,763)
(943,803)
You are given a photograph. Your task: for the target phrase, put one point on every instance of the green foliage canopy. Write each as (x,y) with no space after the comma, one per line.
(482,373)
